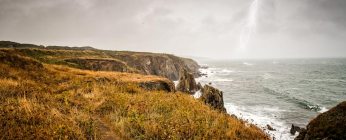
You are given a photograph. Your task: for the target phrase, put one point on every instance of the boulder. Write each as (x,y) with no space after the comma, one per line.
(187,83)
(328,125)
(214,97)
(270,128)
(295,129)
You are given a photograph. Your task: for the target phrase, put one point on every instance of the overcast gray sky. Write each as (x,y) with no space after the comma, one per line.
(204,28)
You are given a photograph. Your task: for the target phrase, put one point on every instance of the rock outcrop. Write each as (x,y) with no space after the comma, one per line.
(295,129)
(327,126)
(187,83)
(164,65)
(270,128)
(199,86)
(214,97)
(158,85)
(102,65)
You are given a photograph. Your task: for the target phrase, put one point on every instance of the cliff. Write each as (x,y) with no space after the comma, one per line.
(330,125)
(165,65)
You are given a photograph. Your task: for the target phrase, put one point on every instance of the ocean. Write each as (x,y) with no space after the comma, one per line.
(279,93)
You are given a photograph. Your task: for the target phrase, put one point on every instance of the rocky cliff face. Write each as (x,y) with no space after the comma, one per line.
(187,83)
(327,126)
(158,85)
(214,97)
(164,65)
(102,65)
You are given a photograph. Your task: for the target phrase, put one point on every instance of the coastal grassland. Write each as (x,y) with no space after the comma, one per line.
(45,101)
(162,115)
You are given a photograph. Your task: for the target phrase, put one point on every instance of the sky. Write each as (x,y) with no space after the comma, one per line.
(199,28)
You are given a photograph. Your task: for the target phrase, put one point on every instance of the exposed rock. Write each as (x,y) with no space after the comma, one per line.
(204,67)
(187,83)
(328,125)
(270,128)
(295,129)
(209,83)
(214,97)
(158,85)
(164,65)
(199,86)
(102,65)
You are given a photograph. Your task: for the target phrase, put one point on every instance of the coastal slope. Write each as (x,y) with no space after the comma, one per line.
(44,101)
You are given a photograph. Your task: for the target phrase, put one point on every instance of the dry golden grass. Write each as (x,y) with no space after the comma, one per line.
(43,101)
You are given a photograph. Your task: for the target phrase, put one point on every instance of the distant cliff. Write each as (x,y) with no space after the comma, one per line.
(165,65)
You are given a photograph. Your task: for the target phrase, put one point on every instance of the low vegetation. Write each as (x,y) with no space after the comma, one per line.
(46,101)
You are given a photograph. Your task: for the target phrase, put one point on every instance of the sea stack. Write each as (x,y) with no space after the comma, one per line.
(187,83)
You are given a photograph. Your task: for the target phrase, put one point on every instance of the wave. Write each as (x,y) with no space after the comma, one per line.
(261,116)
(323,109)
(300,102)
(223,80)
(226,71)
(176,83)
(248,64)
(197,94)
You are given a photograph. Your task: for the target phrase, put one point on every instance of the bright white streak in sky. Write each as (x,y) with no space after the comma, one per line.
(248,28)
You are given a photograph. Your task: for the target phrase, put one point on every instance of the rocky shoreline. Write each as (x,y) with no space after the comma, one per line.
(326,126)
(210,95)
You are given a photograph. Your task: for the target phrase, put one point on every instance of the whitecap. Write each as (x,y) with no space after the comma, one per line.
(261,116)
(223,80)
(197,94)
(226,71)
(176,83)
(249,64)
(323,109)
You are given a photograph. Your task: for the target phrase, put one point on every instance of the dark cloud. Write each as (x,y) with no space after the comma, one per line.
(295,28)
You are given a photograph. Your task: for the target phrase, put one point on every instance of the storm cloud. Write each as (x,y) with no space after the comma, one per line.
(203,28)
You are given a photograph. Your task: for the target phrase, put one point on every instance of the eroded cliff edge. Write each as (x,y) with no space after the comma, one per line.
(88,58)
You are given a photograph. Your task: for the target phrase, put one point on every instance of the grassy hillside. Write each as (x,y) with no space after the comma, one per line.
(45,101)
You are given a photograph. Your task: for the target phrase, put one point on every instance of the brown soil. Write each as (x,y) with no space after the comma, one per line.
(105,130)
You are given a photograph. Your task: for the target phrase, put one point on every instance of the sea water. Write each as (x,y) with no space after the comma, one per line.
(278,92)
